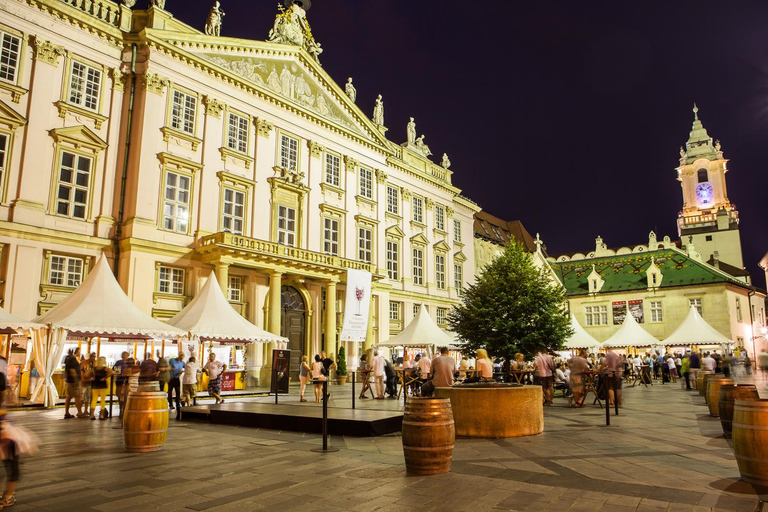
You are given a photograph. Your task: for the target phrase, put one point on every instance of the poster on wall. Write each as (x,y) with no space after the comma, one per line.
(356,306)
(190,348)
(636,308)
(619,312)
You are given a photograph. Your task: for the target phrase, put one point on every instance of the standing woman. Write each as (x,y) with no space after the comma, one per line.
(304,370)
(99,387)
(318,377)
(484,365)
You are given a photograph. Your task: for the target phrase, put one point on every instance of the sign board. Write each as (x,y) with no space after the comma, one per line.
(636,308)
(190,348)
(356,306)
(228,381)
(619,312)
(281,366)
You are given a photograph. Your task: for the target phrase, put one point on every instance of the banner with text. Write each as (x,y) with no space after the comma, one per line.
(356,306)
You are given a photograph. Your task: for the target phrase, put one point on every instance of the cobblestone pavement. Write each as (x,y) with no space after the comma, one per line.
(663,453)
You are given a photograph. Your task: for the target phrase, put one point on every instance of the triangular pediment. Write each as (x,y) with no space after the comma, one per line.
(459,257)
(10,118)
(419,238)
(441,246)
(284,72)
(395,231)
(79,136)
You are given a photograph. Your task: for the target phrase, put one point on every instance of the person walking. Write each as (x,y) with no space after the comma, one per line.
(365,372)
(214,369)
(578,367)
(72,378)
(685,369)
(695,367)
(189,375)
(86,377)
(612,364)
(99,388)
(148,370)
(163,371)
(304,371)
(318,377)
(391,378)
(379,365)
(544,374)
(176,366)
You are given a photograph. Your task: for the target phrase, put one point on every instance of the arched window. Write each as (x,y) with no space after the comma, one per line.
(703,176)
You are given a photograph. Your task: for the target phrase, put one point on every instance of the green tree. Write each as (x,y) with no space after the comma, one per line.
(341,364)
(512,307)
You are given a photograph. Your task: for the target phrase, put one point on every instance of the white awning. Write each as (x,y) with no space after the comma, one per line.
(11,323)
(694,330)
(211,317)
(630,334)
(99,307)
(421,332)
(580,338)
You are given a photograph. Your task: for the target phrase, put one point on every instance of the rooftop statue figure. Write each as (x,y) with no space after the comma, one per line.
(411,132)
(350,90)
(213,24)
(378,112)
(446,162)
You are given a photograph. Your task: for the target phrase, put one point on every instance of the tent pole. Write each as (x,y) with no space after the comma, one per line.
(98,347)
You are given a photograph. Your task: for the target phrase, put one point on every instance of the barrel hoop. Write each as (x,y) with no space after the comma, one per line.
(143,432)
(144,411)
(750,427)
(428,448)
(428,424)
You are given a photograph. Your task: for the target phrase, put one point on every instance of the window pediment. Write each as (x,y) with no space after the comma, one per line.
(395,231)
(459,257)
(79,137)
(441,246)
(10,117)
(420,239)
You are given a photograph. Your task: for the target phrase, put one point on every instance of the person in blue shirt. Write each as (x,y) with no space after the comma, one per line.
(177,365)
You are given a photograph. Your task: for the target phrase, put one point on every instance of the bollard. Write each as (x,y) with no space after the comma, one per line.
(325,448)
(353,389)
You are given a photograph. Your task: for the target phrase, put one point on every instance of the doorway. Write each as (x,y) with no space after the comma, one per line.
(293,326)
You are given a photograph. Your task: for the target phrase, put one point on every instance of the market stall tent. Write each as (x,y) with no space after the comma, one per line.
(580,338)
(11,324)
(422,332)
(630,334)
(694,330)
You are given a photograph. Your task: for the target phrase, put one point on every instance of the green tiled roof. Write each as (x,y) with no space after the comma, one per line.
(627,272)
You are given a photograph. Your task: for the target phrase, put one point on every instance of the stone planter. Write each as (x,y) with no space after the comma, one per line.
(495,410)
(341,380)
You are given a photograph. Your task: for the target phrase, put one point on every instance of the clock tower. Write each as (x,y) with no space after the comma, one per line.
(708,219)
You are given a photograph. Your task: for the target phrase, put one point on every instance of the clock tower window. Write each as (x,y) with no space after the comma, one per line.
(703,175)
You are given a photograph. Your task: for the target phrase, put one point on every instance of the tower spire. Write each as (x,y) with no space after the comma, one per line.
(695,112)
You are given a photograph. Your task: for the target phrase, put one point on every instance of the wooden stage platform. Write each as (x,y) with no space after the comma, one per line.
(300,418)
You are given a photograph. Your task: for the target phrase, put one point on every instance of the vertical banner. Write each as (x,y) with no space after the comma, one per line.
(281,367)
(619,312)
(636,308)
(190,348)
(356,306)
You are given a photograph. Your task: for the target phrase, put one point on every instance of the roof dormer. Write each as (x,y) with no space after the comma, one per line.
(595,281)
(653,275)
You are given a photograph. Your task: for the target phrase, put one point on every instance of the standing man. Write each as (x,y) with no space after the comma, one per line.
(379,365)
(328,364)
(86,377)
(612,364)
(72,370)
(685,370)
(164,371)
(215,369)
(709,363)
(121,368)
(425,366)
(578,367)
(443,367)
(177,366)
(148,371)
(391,375)
(544,375)
(695,366)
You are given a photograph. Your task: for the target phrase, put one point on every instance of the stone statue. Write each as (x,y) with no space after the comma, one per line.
(129,3)
(350,90)
(422,146)
(446,162)
(291,27)
(378,112)
(682,152)
(717,146)
(158,3)
(410,130)
(213,24)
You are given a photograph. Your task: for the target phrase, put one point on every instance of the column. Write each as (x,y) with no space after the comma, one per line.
(274,325)
(369,332)
(330,319)
(222,275)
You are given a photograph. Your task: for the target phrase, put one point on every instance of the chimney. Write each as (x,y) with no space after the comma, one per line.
(716,257)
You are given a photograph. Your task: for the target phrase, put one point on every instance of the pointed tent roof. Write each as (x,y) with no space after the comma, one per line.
(630,334)
(10,324)
(99,307)
(580,338)
(421,332)
(694,330)
(211,317)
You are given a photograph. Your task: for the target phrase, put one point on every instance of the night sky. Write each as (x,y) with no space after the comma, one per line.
(565,115)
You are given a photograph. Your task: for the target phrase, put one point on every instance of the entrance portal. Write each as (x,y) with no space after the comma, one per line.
(293,325)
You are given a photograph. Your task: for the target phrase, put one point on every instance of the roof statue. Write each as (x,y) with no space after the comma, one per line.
(156,3)
(538,242)
(422,146)
(378,111)
(350,90)
(129,3)
(213,23)
(410,131)
(291,27)
(445,162)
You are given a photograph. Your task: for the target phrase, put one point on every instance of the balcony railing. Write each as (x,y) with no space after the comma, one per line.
(707,218)
(106,11)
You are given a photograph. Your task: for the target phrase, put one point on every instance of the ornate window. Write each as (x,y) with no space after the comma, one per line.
(233,211)
(695,303)
(656,311)
(237,133)
(10,49)
(170,280)
(183,112)
(418,209)
(286,225)
(289,152)
(332,169)
(440,217)
(458,278)
(596,315)
(440,271)
(393,200)
(418,266)
(84,86)
(176,201)
(331,236)
(366,183)
(393,260)
(457,231)
(73,185)
(235,289)
(65,271)
(364,244)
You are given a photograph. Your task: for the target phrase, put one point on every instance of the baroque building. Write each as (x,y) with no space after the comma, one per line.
(179,153)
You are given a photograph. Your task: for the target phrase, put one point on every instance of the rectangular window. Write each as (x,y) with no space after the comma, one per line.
(393,200)
(596,315)
(170,280)
(233,216)
(176,202)
(10,46)
(332,169)
(84,86)
(393,260)
(394,311)
(418,209)
(331,236)
(440,271)
(286,226)
(418,266)
(289,152)
(366,183)
(235,289)
(416,308)
(656,313)
(441,314)
(457,231)
(65,271)
(458,278)
(695,303)
(738,309)
(74,185)
(3,156)
(183,112)
(237,134)
(440,217)
(364,245)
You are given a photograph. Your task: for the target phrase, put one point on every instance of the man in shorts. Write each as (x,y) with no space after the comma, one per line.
(215,370)
(189,380)
(86,377)
(72,370)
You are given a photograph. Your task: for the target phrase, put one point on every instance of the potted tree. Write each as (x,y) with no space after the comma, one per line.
(341,367)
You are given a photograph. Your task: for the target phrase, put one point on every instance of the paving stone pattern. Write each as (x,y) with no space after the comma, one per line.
(662,453)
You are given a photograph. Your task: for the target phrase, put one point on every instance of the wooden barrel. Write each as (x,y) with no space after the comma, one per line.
(428,435)
(709,377)
(729,393)
(700,381)
(713,394)
(145,422)
(750,440)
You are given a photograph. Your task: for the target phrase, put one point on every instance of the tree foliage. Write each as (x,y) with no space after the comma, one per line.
(341,363)
(512,307)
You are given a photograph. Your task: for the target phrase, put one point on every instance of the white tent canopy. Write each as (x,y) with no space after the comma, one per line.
(694,330)
(99,307)
(211,317)
(630,334)
(11,323)
(421,332)
(580,338)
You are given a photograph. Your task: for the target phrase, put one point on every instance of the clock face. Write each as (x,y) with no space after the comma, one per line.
(704,193)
